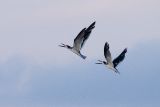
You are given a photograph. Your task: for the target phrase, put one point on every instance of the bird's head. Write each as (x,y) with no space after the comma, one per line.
(65,46)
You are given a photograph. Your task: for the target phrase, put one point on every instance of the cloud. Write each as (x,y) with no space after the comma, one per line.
(25,83)
(14,76)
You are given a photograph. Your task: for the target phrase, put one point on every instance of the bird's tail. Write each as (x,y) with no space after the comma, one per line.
(117,71)
(82,56)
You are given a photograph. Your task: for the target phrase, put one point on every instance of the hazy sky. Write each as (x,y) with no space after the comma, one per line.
(35,72)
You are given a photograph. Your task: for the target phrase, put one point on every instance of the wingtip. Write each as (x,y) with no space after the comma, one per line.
(125,50)
(93,24)
(107,44)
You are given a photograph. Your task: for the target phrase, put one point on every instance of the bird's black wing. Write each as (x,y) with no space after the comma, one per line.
(120,58)
(87,33)
(78,40)
(81,38)
(107,53)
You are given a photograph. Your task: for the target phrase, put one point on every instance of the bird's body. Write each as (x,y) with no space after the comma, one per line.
(80,40)
(78,53)
(112,64)
(111,67)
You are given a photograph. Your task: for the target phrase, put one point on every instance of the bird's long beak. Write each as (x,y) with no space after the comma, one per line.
(99,62)
(62,45)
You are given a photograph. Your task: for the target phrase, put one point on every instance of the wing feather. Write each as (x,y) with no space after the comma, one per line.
(81,38)
(78,40)
(107,53)
(87,33)
(120,58)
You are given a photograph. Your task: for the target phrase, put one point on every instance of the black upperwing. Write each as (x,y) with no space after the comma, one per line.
(87,33)
(120,58)
(107,53)
(80,34)
(78,40)
(81,38)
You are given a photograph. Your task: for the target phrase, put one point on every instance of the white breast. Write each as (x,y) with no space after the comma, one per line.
(111,66)
(74,51)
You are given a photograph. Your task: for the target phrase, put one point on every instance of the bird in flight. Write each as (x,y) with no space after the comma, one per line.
(112,64)
(80,40)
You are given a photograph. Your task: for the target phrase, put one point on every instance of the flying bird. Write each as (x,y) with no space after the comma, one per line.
(112,64)
(80,40)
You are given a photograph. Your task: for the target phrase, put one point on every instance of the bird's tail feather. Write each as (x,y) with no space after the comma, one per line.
(117,71)
(82,56)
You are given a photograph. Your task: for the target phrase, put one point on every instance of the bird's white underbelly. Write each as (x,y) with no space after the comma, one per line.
(75,51)
(110,66)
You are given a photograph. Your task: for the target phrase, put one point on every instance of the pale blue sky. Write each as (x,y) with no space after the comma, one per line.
(35,72)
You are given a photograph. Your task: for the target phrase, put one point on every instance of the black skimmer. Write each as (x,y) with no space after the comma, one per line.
(80,40)
(112,64)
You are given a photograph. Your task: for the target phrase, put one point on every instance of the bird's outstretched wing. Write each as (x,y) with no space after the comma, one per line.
(107,53)
(87,33)
(81,38)
(120,58)
(78,40)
